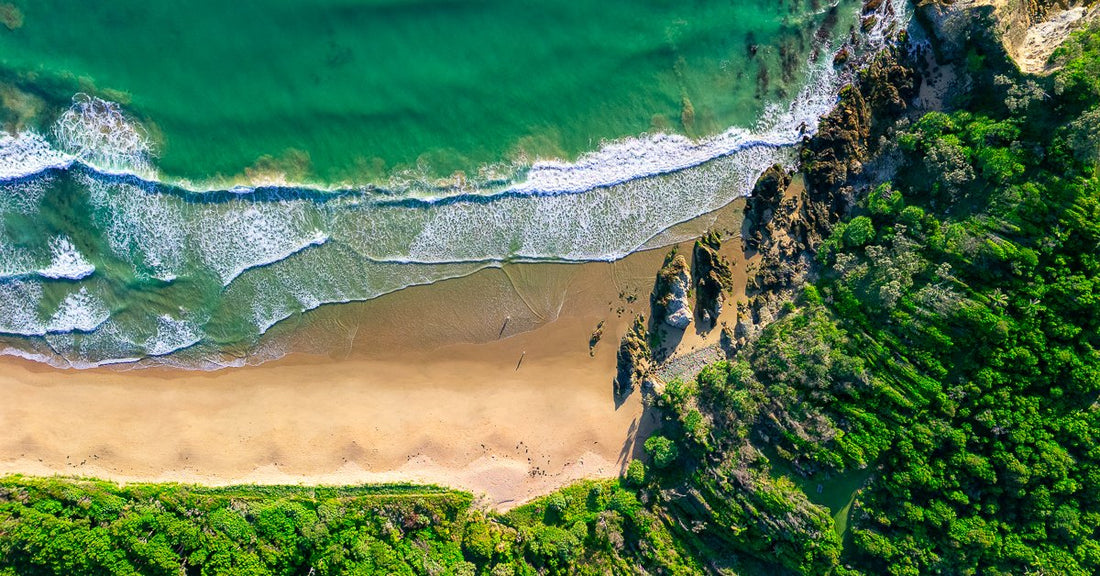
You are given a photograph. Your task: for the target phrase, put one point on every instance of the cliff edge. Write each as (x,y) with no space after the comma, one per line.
(1029,30)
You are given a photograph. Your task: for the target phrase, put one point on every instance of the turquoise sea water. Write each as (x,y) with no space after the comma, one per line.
(368,85)
(410,141)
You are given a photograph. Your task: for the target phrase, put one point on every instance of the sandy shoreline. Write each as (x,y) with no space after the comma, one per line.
(483,383)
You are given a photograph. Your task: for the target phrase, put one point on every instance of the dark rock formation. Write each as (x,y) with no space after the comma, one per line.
(670,294)
(594,339)
(840,144)
(713,276)
(850,134)
(634,364)
(765,198)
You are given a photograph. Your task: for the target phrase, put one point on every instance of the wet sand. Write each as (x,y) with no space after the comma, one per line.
(484,383)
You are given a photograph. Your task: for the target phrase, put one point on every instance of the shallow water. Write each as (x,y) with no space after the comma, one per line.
(123,115)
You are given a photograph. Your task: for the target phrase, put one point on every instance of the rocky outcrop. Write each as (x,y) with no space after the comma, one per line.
(849,135)
(838,149)
(713,276)
(670,299)
(759,210)
(787,221)
(594,339)
(779,229)
(633,359)
(1032,51)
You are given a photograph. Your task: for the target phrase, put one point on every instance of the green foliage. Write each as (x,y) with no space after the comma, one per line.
(54,526)
(662,451)
(76,527)
(946,359)
(1079,78)
(635,473)
(602,528)
(884,200)
(970,324)
(859,232)
(556,503)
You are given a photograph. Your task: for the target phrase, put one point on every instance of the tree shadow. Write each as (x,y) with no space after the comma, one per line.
(628,445)
(640,428)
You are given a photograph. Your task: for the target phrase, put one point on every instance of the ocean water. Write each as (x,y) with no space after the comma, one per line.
(178,178)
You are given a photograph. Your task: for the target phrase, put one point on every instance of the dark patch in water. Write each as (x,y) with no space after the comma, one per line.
(828,25)
(762,81)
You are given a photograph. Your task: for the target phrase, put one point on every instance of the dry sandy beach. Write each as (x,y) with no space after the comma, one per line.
(484,383)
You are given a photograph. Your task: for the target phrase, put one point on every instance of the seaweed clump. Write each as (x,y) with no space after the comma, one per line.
(10,16)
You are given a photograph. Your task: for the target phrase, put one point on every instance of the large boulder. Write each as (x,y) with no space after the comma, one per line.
(713,276)
(670,294)
(633,359)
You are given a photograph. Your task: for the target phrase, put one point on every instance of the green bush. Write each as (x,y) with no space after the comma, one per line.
(859,232)
(478,541)
(635,473)
(661,450)
(556,504)
(624,502)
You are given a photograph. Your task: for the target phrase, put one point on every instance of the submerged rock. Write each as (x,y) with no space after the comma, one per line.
(670,299)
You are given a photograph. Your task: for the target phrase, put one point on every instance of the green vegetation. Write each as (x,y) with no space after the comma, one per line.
(84,527)
(58,526)
(927,405)
(946,360)
(635,473)
(661,450)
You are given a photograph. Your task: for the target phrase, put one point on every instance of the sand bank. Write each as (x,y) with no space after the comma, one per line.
(485,383)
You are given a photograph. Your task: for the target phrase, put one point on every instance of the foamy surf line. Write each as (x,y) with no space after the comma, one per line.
(28,155)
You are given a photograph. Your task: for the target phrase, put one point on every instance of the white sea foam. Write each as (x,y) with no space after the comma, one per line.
(108,343)
(27,154)
(101,133)
(65,261)
(19,312)
(45,357)
(15,262)
(142,227)
(172,335)
(68,262)
(79,312)
(24,196)
(249,235)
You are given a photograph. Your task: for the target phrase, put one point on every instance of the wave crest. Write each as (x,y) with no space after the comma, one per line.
(67,263)
(99,132)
